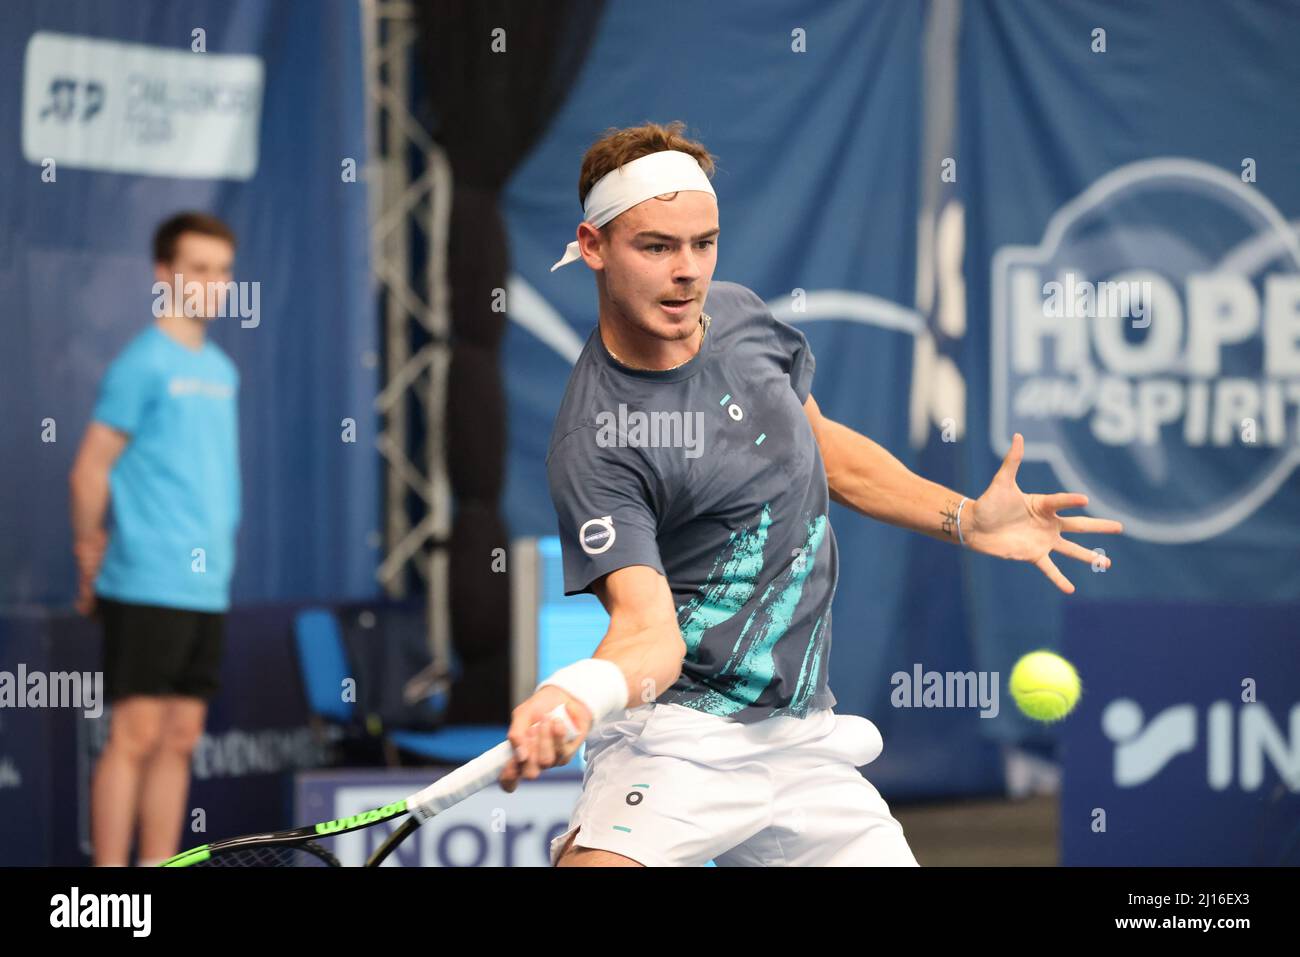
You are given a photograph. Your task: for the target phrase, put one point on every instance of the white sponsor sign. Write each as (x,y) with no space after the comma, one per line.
(487,829)
(99,104)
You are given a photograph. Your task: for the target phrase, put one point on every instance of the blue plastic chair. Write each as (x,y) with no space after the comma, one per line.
(323,661)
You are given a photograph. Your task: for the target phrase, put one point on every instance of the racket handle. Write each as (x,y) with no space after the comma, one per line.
(473,776)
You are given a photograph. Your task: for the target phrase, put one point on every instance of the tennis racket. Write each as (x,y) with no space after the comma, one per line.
(298,847)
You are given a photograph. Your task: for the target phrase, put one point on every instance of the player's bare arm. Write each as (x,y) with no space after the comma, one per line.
(1004,522)
(643,640)
(88,483)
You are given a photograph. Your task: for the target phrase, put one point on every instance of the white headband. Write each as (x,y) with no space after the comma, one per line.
(668,171)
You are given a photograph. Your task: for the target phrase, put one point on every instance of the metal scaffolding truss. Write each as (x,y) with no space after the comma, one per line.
(409,182)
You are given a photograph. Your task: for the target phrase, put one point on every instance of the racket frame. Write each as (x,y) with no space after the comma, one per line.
(449,790)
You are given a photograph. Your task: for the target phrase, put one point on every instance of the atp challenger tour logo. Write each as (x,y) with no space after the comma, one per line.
(1149,348)
(133,108)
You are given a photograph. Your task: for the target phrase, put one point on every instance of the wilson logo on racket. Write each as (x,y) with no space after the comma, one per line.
(359,820)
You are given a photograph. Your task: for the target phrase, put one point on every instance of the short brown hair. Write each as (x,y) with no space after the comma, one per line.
(619,147)
(170,231)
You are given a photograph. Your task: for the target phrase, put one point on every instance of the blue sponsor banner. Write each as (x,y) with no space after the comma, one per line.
(487,829)
(1185,747)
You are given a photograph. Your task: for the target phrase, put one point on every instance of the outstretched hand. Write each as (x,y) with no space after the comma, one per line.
(1011,524)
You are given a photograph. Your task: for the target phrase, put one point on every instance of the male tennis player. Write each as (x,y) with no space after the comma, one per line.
(690,469)
(162,452)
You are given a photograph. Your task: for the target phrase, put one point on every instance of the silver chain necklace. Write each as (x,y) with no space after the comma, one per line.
(705,319)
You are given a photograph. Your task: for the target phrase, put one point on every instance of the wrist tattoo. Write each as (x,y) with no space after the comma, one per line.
(949,524)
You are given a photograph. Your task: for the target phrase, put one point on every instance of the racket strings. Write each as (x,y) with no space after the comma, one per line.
(273,855)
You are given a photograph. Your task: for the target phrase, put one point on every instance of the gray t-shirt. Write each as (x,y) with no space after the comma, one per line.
(709,473)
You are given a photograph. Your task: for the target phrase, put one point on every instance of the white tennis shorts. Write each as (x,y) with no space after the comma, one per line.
(668,786)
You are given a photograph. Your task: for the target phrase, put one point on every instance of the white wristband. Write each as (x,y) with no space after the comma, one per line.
(597,683)
(961,539)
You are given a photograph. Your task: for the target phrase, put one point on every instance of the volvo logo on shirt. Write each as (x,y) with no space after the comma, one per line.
(597,535)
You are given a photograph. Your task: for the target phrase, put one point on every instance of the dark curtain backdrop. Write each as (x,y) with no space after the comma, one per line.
(487,108)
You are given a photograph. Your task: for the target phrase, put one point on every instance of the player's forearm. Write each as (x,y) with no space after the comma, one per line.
(867,478)
(650,657)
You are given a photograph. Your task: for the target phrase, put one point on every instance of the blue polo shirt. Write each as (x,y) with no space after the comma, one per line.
(175,491)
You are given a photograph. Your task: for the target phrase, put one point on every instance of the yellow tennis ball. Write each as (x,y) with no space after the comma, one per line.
(1045,685)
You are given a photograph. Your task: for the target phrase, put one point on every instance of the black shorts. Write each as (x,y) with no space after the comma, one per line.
(150,650)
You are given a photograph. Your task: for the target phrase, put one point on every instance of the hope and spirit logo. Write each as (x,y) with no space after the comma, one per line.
(1149,348)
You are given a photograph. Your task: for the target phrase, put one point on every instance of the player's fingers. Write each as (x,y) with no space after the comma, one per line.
(1011,463)
(520,735)
(562,743)
(531,767)
(1085,555)
(1048,568)
(545,744)
(1088,525)
(1063,500)
(510,777)
(564,748)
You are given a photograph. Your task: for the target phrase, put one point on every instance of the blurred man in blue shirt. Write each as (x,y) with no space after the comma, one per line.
(160,460)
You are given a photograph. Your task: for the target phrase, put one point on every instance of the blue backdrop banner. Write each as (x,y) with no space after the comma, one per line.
(119,114)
